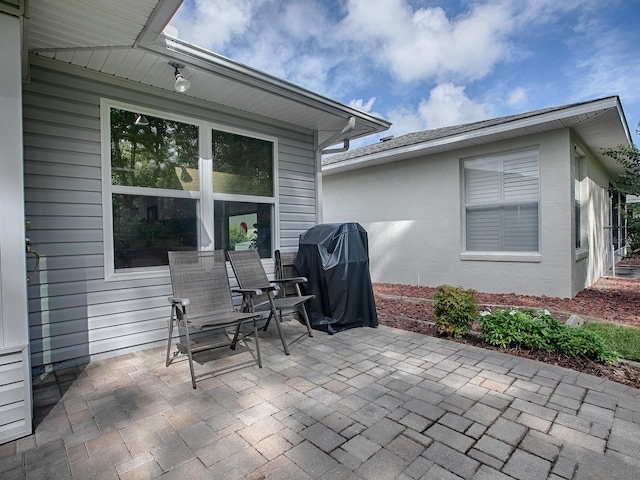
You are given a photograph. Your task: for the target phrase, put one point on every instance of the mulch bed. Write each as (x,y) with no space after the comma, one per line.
(609,299)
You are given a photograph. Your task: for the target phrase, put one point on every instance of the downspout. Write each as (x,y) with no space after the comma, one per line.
(335,138)
(322,149)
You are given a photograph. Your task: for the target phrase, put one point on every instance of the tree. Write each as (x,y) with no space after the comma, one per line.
(628,183)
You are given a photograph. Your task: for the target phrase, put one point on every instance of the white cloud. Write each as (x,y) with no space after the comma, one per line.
(517,97)
(213,23)
(430,43)
(606,67)
(326,46)
(446,105)
(426,43)
(360,104)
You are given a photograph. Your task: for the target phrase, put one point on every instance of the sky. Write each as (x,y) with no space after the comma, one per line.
(424,64)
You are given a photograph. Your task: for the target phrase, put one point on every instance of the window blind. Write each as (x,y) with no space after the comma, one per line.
(501,202)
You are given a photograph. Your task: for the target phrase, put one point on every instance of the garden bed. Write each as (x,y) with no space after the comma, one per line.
(610,299)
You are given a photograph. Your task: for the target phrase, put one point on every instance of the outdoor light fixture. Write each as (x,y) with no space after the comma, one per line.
(141,120)
(182,84)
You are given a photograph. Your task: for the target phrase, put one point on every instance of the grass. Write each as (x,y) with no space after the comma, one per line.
(624,340)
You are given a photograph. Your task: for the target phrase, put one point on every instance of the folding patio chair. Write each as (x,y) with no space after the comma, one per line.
(260,294)
(202,310)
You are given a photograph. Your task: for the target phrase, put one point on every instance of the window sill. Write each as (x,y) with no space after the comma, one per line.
(138,274)
(524,257)
(581,254)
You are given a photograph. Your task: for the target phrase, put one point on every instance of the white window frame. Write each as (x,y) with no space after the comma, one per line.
(498,255)
(205,197)
(234,197)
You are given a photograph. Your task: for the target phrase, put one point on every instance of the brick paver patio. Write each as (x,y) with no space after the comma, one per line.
(362,404)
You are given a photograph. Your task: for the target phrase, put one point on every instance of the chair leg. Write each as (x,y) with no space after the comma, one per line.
(279,327)
(232,346)
(188,341)
(266,325)
(274,314)
(170,336)
(255,334)
(303,312)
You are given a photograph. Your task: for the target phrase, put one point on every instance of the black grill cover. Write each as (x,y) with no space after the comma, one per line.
(335,259)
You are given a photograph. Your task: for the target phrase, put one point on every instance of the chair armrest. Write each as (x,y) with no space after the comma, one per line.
(179,301)
(290,280)
(253,291)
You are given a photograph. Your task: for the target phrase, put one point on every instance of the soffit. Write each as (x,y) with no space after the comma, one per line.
(124,39)
(72,24)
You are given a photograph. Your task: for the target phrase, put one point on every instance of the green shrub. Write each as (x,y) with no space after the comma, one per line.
(624,340)
(528,328)
(455,309)
(580,342)
(538,330)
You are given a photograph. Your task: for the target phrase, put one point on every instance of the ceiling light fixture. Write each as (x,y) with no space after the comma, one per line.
(182,84)
(141,120)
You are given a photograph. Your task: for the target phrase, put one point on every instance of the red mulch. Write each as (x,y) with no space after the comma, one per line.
(609,299)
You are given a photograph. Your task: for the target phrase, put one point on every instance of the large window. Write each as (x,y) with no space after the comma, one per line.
(168,185)
(501,202)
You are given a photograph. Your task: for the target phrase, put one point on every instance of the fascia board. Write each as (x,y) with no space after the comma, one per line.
(158,20)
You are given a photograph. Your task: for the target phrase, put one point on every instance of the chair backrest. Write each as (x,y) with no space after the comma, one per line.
(202,278)
(248,268)
(286,268)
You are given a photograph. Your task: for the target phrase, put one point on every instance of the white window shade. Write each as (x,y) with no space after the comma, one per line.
(501,202)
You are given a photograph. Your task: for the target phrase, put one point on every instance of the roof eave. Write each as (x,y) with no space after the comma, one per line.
(458,141)
(219,65)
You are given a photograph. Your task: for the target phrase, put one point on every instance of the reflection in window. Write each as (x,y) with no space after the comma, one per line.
(145,228)
(162,154)
(243,225)
(242,165)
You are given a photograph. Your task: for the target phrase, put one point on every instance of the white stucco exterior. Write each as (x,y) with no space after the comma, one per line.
(414,213)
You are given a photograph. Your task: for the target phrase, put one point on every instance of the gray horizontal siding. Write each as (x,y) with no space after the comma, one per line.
(73,313)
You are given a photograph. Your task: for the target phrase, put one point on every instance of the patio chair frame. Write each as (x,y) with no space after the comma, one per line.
(202,302)
(254,286)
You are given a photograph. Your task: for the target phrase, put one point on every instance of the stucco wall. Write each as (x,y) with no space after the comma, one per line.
(591,260)
(413,213)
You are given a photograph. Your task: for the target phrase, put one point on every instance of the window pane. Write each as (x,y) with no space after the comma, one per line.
(146,228)
(482,181)
(483,229)
(162,154)
(243,225)
(521,179)
(242,165)
(520,228)
(511,228)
